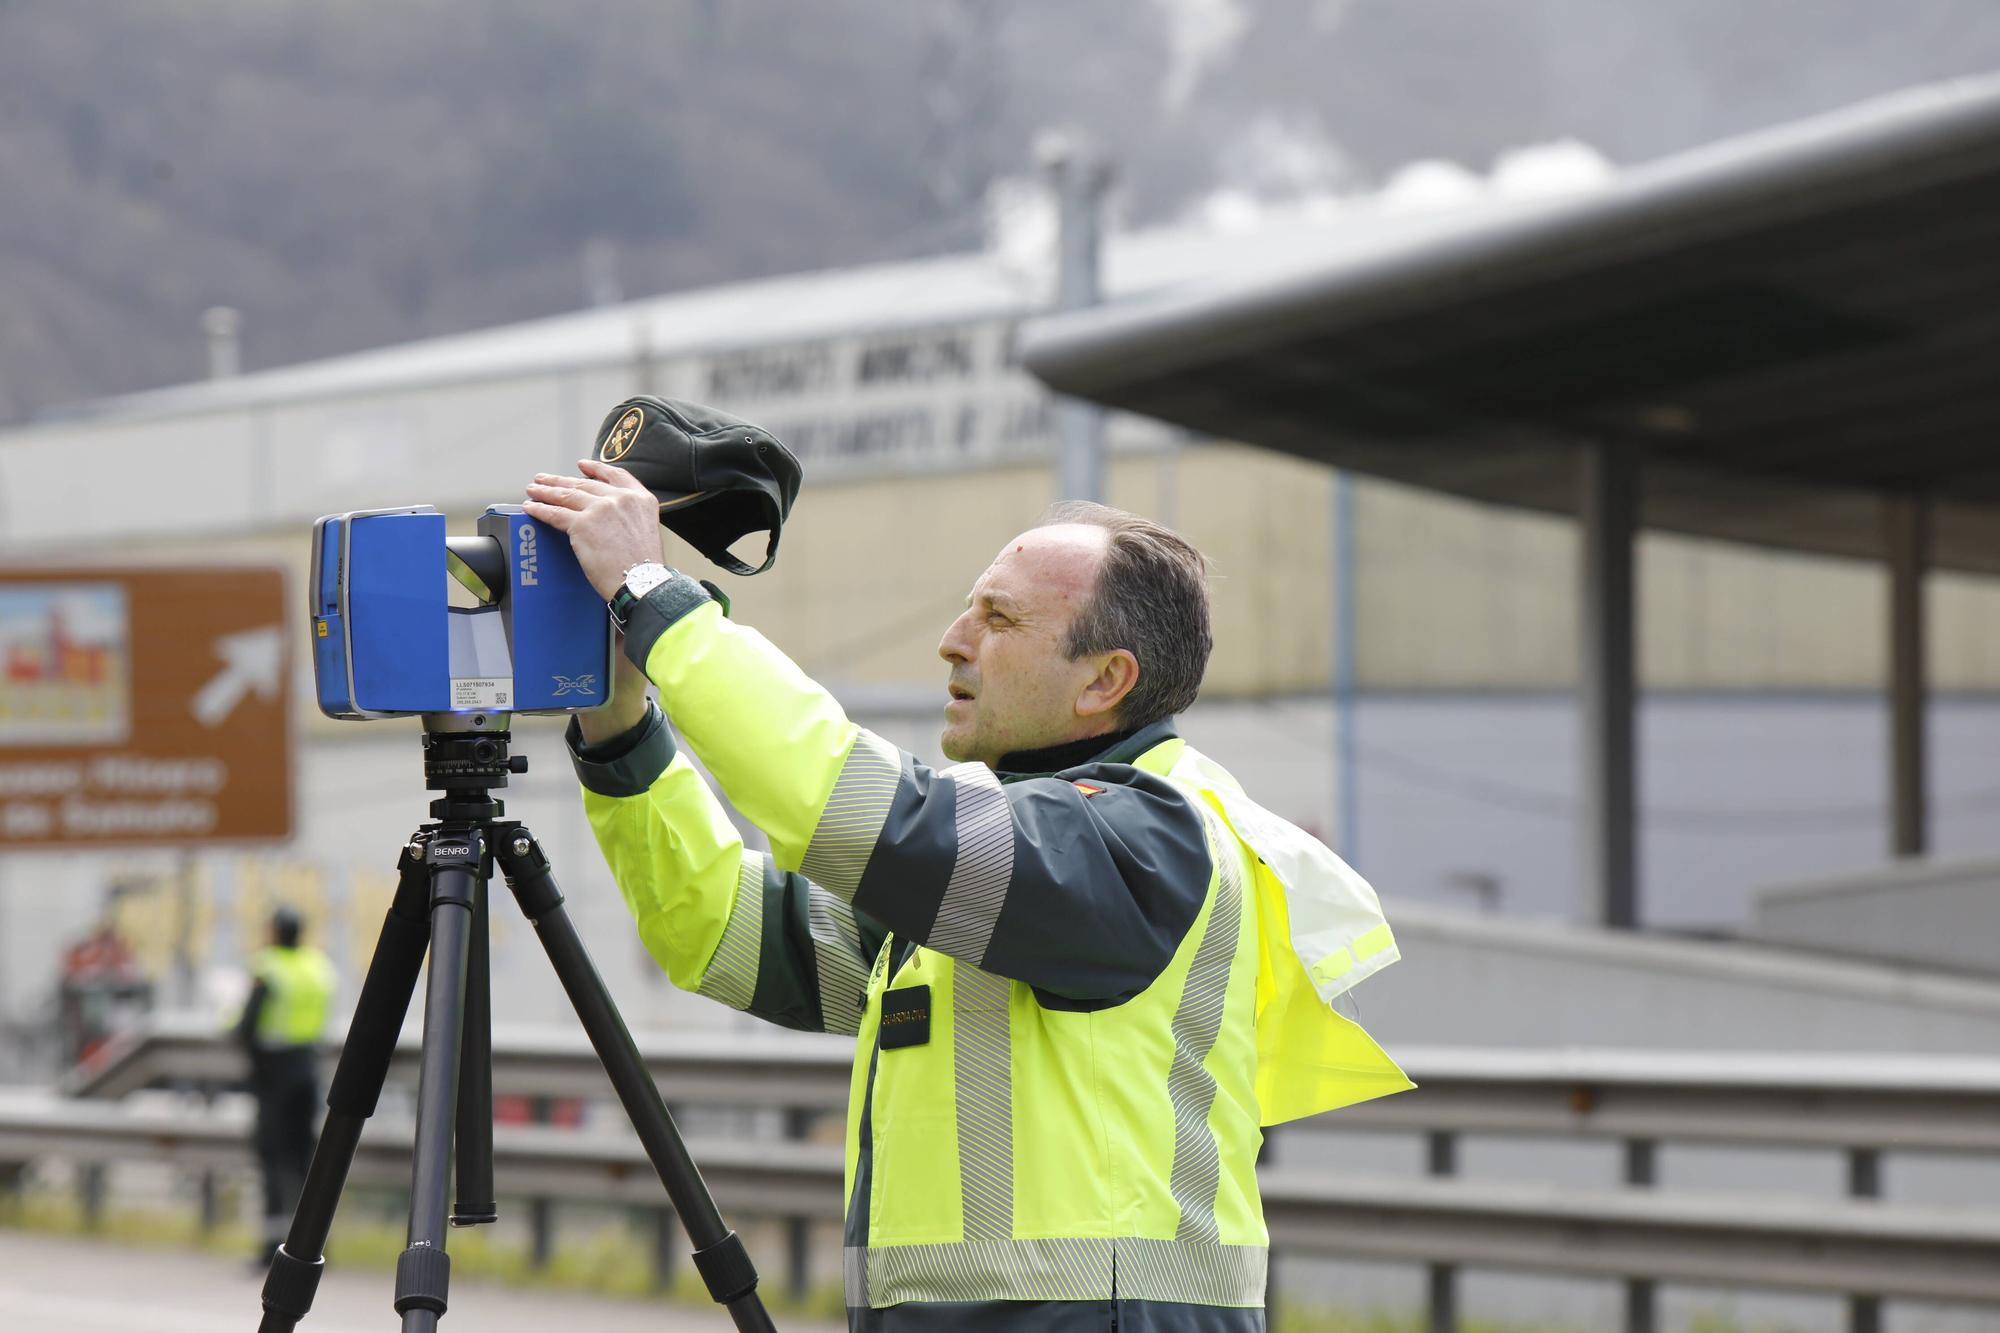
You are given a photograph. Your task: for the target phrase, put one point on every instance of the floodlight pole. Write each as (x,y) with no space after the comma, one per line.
(223,326)
(1078,178)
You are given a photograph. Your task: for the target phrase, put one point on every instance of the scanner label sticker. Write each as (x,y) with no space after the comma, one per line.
(481,692)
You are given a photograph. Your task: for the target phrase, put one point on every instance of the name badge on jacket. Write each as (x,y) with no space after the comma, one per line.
(906,1017)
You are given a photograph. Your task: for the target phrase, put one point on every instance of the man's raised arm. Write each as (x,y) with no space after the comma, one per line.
(723,921)
(1082,894)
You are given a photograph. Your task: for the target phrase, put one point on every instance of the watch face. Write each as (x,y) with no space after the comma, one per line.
(642,579)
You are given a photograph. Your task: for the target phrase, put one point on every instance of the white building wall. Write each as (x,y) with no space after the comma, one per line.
(1942,914)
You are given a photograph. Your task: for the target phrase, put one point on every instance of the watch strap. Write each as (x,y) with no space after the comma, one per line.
(621,605)
(647,618)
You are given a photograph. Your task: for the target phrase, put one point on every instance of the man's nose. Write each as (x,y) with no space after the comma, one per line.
(954,647)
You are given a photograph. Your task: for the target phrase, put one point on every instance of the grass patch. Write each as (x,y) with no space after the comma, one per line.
(609,1259)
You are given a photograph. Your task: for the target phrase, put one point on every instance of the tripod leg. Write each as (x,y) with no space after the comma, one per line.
(719,1254)
(357,1083)
(423,1271)
(474,1177)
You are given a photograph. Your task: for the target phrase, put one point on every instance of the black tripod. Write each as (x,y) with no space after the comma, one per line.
(440,906)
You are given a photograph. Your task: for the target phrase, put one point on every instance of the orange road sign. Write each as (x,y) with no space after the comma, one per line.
(144,706)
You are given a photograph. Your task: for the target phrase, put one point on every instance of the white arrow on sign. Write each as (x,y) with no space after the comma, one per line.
(252,660)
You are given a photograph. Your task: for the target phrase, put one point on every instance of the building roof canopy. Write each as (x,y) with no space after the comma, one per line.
(1788,324)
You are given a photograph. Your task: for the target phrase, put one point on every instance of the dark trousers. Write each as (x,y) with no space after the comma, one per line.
(286,1083)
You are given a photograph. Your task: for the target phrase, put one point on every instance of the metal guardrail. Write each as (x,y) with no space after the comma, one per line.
(1916,1103)
(761,1178)
(1888,1249)
(781,1069)
(1945,1104)
(1833,1247)
(1860,1106)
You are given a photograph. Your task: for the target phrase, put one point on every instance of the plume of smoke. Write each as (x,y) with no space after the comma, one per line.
(1199,32)
(1021,230)
(1558,167)
(1279,169)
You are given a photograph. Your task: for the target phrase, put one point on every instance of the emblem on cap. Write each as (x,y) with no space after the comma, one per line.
(619,442)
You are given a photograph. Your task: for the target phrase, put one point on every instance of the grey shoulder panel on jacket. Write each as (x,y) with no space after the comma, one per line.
(1082,884)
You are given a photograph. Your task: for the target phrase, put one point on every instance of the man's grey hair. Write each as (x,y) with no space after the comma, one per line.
(1151,599)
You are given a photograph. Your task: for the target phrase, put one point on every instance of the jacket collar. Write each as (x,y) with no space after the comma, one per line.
(1117,747)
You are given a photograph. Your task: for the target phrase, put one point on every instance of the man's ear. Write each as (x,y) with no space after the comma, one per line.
(1117,673)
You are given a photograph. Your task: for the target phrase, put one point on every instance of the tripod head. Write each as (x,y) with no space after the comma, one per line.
(465,757)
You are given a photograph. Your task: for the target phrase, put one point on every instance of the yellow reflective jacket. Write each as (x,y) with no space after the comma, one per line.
(298,986)
(1078,992)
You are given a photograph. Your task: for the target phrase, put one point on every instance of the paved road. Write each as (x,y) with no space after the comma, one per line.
(52,1285)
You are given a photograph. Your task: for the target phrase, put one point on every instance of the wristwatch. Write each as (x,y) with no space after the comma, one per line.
(640,579)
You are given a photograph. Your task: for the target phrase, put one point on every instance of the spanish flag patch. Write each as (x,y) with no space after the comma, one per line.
(1086,788)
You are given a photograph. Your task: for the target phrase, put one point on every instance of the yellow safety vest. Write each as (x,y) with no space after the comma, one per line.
(298,991)
(1028,1153)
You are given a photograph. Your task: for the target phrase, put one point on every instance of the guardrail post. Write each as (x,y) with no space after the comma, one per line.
(1441,1160)
(798,1230)
(1641,1304)
(211,1201)
(90,1194)
(211,1204)
(666,1240)
(541,1211)
(667,1237)
(1864,1181)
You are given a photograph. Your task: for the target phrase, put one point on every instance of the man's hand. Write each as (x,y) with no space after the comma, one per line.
(612,522)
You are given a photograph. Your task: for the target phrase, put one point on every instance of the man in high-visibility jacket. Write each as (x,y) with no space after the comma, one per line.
(291,989)
(1083,967)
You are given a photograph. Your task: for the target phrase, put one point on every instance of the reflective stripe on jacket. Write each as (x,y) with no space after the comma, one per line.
(1065,1106)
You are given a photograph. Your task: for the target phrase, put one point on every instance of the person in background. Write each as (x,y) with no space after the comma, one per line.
(292,987)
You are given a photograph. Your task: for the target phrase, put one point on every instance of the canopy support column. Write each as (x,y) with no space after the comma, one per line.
(1606,689)
(1907,527)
